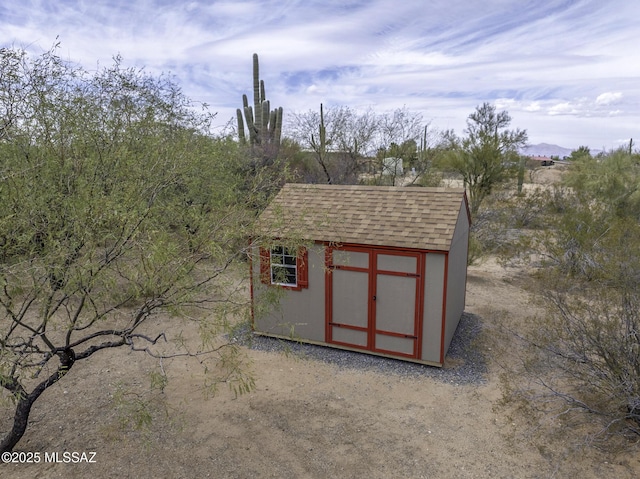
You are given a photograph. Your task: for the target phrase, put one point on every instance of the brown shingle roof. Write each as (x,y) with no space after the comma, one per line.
(422,218)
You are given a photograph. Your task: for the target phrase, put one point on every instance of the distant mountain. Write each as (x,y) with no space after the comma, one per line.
(545,149)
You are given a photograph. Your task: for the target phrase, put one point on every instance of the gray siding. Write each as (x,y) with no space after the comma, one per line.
(433,296)
(300,314)
(457,276)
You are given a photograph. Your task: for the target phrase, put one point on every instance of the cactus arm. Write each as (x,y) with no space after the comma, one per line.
(265,119)
(241,136)
(278,133)
(257,102)
(251,127)
(322,132)
(263,126)
(272,126)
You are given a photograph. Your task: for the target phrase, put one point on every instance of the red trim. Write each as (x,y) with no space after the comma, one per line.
(420,305)
(418,300)
(302,269)
(251,295)
(372,277)
(328,292)
(394,334)
(398,249)
(350,268)
(265,266)
(350,326)
(373,292)
(400,273)
(444,307)
(302,265)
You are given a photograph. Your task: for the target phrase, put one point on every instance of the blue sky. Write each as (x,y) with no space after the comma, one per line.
(568,71)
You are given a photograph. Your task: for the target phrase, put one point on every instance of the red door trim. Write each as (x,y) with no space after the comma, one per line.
(328,292)
(420,303)
(372,290)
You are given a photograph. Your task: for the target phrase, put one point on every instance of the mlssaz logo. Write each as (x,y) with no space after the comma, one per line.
(70,457)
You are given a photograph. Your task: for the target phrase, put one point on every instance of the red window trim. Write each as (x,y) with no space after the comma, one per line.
(302,269)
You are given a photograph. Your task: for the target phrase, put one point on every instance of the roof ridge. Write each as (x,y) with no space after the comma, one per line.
(444,189)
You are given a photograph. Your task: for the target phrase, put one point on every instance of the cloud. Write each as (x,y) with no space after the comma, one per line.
(533,106)
(608,98)
(545,62)
(565,108)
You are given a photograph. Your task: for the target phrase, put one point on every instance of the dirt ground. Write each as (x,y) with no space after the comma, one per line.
(307,419)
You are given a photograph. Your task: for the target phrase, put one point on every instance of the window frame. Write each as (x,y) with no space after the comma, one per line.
(282,252)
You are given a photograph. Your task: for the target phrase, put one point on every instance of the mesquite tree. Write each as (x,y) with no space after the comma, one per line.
(482,156)
(116,205)
(343,140)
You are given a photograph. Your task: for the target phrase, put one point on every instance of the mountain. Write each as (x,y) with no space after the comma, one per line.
(545,149)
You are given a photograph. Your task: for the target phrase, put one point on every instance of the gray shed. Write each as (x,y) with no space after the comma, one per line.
(383,269)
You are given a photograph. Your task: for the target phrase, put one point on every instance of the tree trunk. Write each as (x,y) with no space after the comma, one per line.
(25,401)
(20,421)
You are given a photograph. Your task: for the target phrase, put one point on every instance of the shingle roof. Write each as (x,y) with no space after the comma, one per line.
(421,218)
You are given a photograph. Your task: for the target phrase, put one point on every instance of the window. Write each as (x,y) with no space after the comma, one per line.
(284,267)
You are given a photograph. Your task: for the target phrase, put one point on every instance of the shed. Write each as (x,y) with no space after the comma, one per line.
(383,269)
(392,167)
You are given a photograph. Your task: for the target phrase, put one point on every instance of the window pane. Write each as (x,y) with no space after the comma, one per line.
(283,275)
(276,259)
(290,260)
(276,255)
(283,266)
(291,276)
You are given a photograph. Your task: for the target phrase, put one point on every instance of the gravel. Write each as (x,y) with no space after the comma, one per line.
(466,365)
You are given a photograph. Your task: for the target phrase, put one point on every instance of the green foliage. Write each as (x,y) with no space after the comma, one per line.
(338,139)
(116,204)
(581,153)
(582,354)
(342,143)
(135,411)
(613,180)
(520,175)
(430,177)
(480,157)
(590,338)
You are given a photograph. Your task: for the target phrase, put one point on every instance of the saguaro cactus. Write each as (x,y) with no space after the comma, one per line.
(264,126)
(320,146)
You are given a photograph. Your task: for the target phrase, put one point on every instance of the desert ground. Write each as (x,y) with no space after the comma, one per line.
(311,418)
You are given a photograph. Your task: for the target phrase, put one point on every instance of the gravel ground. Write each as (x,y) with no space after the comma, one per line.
(468,364)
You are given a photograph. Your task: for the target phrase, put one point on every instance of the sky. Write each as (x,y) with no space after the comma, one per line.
(567,71)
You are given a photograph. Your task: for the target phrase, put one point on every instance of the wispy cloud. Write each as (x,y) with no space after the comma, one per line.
(556,65)
(608,98)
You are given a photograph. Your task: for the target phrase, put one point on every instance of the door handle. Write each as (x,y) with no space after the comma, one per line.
(374,298)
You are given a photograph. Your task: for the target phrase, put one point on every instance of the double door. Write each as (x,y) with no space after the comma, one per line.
(374,300)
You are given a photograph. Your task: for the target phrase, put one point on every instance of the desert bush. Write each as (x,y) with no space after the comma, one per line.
(118,203)
(580,358)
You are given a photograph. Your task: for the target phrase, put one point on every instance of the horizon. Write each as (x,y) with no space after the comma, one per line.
(566,71)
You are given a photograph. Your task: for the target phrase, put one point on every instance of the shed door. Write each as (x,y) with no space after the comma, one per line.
(373,300)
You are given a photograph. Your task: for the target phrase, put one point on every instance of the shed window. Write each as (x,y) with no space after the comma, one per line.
(284,267)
